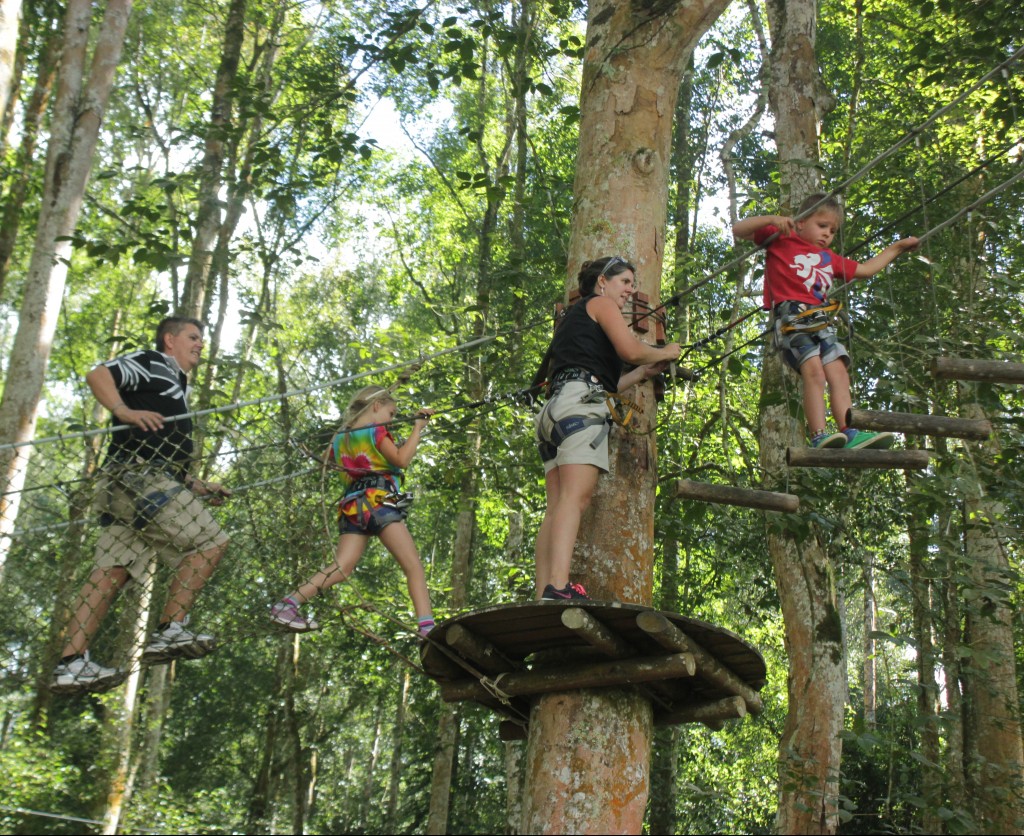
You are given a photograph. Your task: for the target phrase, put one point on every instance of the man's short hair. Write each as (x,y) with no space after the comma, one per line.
(174,325)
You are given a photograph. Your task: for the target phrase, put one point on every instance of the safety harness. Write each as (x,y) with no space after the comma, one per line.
(357,492)
(620,411)
(798,316)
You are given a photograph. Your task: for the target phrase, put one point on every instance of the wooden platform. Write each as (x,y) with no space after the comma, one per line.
(502,656)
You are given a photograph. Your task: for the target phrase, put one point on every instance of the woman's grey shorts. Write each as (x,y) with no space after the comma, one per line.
(588,445)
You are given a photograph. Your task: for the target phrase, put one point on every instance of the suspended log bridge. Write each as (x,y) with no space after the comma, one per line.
(995,371)
(861,459)
(973,429)
(503,656)
(745,497)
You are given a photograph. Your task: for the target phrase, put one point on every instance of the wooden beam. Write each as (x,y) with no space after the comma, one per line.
(711,713)
(596,634)
(594,675)
(996,371)
(665,633)
(728,495)
(479,651)
(612,645)
(864,459)
(975,429)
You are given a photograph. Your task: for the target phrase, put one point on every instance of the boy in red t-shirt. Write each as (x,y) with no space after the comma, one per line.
(800,269)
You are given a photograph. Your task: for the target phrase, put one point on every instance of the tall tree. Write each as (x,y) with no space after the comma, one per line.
(633,64)
(810,746)
(10,15)
(74,129)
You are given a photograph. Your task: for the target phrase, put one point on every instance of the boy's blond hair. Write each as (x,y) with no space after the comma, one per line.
(821,202)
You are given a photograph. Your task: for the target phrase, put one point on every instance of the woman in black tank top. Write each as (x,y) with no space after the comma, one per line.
(587,354)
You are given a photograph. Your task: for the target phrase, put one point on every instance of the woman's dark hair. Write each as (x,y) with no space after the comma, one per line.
(608,266)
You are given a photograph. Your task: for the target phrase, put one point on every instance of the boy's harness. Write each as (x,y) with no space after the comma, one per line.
(799,316)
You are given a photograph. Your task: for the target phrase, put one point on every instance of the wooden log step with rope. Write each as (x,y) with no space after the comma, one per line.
(994,371)
(857,459)
(746,497)
(500,657)
(913,424)
(607,674)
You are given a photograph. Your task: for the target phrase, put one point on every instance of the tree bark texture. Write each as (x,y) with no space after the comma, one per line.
(208,216)
(588,753)
(810,747)
(996,759)
(78,114)
(10,12)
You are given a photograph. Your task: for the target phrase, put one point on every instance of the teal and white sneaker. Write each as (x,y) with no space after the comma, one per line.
(827,439)
(859,439)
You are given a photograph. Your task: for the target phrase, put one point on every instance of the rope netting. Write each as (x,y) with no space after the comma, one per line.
(244,515)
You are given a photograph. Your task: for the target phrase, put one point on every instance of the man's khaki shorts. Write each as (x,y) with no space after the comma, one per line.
(146,513)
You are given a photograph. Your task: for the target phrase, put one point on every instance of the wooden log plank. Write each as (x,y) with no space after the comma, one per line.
(913,424)
(611,644)
(712,712)
(479,651)
(596,634)
(594,675)
(728,495)
(996,371)
(861,459)
(665,633)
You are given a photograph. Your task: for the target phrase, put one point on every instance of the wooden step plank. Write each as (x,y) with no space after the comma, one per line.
(913,424)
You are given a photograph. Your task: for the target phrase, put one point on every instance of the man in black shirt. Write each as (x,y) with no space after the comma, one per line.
(148,505)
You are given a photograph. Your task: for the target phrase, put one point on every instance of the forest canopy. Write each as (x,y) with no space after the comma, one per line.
(354,192)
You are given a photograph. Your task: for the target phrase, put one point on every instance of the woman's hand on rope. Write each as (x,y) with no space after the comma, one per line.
(654,369)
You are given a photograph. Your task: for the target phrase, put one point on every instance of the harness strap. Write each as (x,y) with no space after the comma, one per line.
(793,321)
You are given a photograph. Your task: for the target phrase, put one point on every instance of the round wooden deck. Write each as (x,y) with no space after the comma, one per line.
(502,656)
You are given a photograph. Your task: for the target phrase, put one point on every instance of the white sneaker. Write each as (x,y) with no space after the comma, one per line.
(175,642)
(82,674)
(286,614)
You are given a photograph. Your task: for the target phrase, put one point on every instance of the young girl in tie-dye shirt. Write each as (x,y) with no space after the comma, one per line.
(372,466)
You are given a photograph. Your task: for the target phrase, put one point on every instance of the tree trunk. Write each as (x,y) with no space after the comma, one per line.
(10,12)
(633,64)
(78,114)
(810,747)
(25,168)
(208,217)
(996,759)
(868,667)
(922,607)
(665,754)
(122,721)
(395,778)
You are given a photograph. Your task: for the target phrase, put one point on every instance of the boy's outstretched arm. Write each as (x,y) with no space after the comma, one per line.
(744,230)
(883,259)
